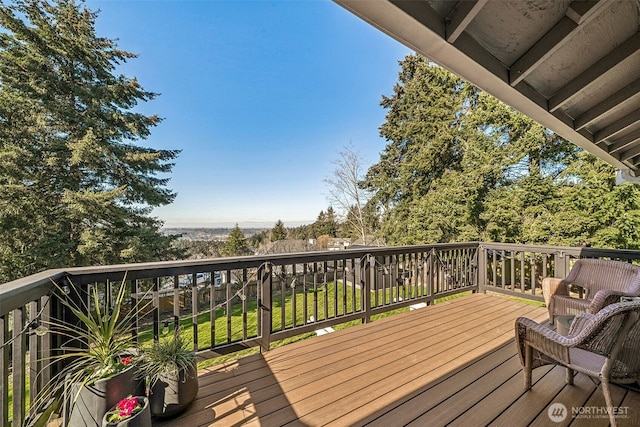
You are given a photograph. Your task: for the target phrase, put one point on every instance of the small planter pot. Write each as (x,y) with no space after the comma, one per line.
(139,419)
(171,394)
(93,401)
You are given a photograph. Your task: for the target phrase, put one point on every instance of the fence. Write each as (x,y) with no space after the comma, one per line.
(228,304)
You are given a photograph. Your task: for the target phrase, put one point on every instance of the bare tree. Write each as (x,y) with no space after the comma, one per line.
(345,193)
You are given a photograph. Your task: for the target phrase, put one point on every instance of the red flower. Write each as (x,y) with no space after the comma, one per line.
(124,409)
(126,360)
(127,405)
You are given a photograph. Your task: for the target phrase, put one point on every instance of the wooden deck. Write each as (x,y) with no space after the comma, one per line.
(454,363)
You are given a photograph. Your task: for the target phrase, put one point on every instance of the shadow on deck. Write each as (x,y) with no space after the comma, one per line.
(453,363)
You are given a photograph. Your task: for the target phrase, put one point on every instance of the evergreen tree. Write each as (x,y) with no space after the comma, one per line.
(591,209)
(302,232)
(236,244)
(326,224)
(460,165)
(76,188)
(278,232)
(424,128)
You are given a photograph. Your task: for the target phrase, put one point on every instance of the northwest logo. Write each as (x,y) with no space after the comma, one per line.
(557,412)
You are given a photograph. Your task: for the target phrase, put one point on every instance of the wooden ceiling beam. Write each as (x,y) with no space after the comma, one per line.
(579,13)
(630,154)
(460,18)
(608,104)
(598,69)
(615,128)
(624,142)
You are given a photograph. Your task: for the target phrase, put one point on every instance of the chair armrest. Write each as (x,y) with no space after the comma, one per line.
(602,299)
(543,338)
(579,323)
(553,286)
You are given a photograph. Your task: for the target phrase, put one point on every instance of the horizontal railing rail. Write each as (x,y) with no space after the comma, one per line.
(224,305)
(518,270)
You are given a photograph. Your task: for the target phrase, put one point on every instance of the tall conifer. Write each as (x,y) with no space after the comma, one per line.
(76,185)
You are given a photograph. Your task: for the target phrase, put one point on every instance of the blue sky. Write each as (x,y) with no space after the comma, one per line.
(260,96)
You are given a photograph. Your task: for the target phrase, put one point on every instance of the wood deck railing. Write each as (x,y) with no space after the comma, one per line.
(229,304)
(518,270)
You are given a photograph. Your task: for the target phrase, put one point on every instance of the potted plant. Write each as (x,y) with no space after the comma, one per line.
(170,371)
(97,354)
(132,411)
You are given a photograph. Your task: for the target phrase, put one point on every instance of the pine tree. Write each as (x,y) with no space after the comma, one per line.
(236,244)
(424,129)
(76,187)
(326,224)
(278,232)
(453,153)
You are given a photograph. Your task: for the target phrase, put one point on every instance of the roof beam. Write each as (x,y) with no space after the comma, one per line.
(541,50)
(579,13)
(624,142)
(614,128)
(630,154)
(460,18)
(607,105)
(422,12)
(616,56)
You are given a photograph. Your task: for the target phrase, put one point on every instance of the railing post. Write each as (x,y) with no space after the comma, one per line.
(35,359)
(155,306)
(366,283)
(432,275)
(264,306)
(482,268)
(560,264)
(4,369)
(19,366)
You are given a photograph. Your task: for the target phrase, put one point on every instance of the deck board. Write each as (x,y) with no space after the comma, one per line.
(452,363)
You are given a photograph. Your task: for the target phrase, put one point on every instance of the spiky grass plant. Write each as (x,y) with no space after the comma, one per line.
(95,344)
(168,356)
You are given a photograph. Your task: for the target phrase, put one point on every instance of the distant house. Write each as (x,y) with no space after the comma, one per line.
(338,243)
(287,246)
(371,241)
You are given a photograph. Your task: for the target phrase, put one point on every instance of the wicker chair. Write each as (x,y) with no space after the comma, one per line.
(603,283)
(603,345)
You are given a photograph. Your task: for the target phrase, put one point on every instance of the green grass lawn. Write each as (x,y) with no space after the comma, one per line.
(340,300)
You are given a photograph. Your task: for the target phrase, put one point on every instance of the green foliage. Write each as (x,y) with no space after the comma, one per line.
(168,356)
(460,165)
(278,232)
(326,224)
(76,187)
(198,249)
(257,239)
(236,244)
(94,343)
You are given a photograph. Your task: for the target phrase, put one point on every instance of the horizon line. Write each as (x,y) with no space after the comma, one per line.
(241,224)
